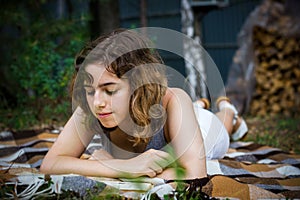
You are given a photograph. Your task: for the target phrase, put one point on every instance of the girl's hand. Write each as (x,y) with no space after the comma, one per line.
(149,163)
(169,174)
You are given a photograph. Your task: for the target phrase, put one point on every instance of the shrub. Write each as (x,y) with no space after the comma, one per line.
(39,63)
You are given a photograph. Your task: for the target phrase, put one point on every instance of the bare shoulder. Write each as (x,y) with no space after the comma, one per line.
(175,95)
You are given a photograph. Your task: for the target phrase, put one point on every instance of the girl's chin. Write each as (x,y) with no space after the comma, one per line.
(107,127)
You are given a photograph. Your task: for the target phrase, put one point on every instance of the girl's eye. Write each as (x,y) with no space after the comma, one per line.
(110,92)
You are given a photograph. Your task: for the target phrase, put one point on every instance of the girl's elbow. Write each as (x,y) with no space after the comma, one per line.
(46,167)
(43,168)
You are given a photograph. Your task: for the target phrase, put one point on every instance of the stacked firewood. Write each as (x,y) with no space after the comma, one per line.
(277,73)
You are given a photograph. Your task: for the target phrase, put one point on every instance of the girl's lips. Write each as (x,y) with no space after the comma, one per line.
(104,115)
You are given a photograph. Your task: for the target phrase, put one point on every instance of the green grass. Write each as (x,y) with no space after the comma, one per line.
(275,131)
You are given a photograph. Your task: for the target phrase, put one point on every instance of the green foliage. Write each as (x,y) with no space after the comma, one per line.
(38,62)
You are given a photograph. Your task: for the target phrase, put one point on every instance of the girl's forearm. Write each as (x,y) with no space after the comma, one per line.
(72,165)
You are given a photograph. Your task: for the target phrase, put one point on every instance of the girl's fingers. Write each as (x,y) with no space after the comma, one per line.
(151,174)
(157,168)
(160,158)
(165,158)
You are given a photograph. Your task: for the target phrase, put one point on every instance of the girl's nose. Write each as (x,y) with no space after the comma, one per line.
(99,100)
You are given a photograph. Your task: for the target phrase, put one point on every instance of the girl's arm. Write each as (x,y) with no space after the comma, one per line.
(64,156)
(184,134)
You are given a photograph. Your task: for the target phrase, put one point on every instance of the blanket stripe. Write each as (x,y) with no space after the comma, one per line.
(248,170)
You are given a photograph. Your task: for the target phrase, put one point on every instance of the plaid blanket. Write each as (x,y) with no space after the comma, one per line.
(248,171)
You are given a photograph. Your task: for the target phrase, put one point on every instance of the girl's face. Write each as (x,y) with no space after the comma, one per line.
(108,96)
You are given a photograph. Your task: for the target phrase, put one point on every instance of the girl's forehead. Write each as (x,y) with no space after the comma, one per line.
(101,75)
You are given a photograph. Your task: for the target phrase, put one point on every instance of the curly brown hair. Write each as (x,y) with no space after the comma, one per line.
(131,55)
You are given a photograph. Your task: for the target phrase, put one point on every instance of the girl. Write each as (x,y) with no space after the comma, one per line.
(121,94)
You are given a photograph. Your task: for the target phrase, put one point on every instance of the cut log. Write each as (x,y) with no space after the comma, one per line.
(277,73)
